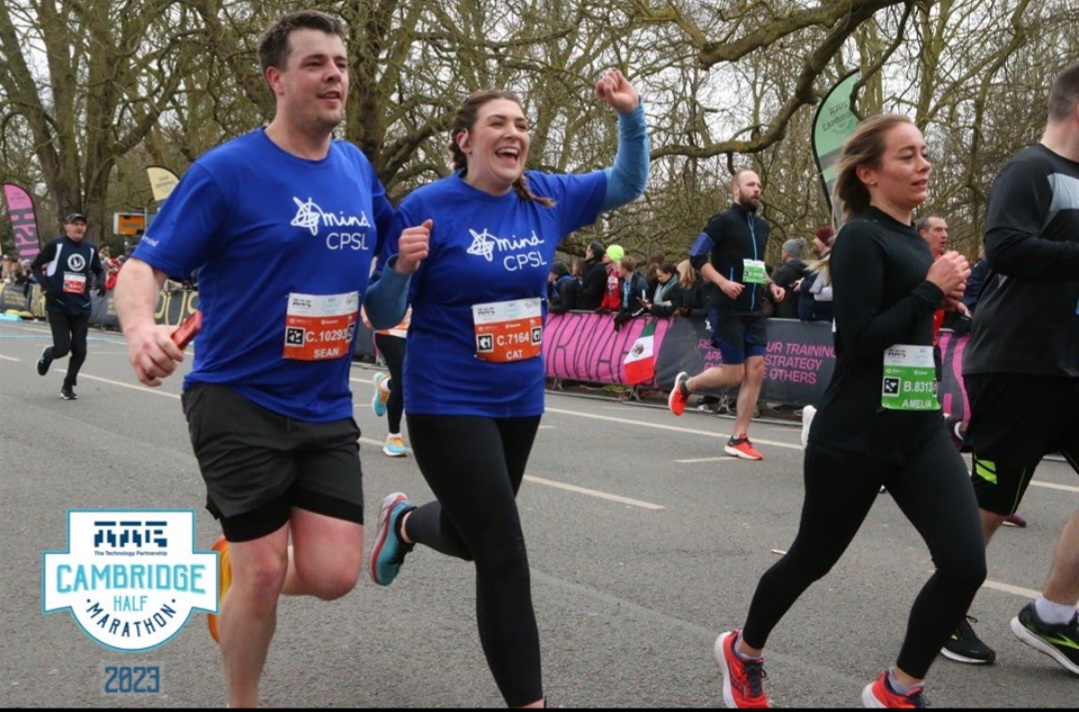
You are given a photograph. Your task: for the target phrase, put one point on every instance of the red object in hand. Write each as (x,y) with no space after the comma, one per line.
(183,335)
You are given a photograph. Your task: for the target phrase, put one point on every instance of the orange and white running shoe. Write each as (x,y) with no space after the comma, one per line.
(743,680)
(739,446)
(880,695)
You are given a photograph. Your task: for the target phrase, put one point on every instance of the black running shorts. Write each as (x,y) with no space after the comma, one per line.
(1016,420)
(258,465)
(738,336)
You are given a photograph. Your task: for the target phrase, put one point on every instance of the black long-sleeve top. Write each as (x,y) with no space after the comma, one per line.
(881,298)
(1027,319)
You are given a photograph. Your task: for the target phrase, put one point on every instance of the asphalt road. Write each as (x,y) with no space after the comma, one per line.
(645,542)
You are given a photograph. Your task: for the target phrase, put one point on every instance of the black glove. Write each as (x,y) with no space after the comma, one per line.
(101,290)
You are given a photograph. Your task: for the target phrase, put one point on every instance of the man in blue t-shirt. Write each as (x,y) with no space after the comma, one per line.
(282,224)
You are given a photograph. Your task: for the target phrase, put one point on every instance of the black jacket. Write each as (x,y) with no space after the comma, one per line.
(63,270)
(729,238)
(593,285)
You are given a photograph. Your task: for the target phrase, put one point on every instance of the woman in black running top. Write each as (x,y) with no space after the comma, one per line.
(878,423)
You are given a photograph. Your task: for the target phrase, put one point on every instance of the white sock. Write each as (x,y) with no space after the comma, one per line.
(1054,613)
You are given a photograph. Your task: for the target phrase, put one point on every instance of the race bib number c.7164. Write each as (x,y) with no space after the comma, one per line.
(508,331)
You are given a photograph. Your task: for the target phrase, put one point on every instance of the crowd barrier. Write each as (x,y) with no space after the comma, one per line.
(586,347)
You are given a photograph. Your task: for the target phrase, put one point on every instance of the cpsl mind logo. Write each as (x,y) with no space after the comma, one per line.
(130,577)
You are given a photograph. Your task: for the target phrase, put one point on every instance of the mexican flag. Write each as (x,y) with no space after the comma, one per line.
(640,362)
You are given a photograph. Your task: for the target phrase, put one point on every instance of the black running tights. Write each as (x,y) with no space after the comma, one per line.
(475,466)
(393,350)
(933,490)
(69,335)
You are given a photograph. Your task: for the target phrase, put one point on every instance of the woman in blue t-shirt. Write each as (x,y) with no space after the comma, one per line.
(474,375)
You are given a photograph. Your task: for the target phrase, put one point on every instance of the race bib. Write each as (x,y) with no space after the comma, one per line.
(320,327)
(753,272)
(909,378)
(508,331)
(74,283)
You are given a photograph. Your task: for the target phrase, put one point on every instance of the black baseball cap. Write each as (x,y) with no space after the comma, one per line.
(72,217)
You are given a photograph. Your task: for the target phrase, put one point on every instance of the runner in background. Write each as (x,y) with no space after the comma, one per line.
(388,399)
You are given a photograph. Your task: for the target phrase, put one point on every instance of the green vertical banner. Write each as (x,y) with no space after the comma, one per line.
(833,123)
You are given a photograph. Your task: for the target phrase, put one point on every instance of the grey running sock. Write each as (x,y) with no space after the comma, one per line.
(898,687)
(739,653)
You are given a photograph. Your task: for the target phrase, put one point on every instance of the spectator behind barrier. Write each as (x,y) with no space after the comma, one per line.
(791,269)
(612,295)
(593,278)
(561,289)
(666,285)
(634,292)
(815,290)
(651,269)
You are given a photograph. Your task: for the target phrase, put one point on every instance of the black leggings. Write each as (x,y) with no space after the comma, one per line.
(475,466)
(934,492)
(69,335)
(393,350)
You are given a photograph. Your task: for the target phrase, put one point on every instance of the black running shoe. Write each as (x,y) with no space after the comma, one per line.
(1060,642)
(44,362)
(966,647)
(68,393)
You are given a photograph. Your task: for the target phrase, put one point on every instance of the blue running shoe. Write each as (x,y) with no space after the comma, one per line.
(389,550)
(395,447)
(381,396)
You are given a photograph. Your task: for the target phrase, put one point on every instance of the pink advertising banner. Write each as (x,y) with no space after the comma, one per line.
(586,347)
(20,207)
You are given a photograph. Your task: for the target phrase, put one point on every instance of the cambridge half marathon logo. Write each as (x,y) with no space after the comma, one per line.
(130,577)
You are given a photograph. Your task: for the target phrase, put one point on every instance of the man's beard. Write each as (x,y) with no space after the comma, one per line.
(748,204)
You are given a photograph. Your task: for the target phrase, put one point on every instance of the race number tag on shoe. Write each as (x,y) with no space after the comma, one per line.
(508,331)
(753,272)
(320,327)
(909,378)
(74,283)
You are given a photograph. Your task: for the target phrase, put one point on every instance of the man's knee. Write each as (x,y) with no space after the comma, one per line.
(334,583)
(754,369)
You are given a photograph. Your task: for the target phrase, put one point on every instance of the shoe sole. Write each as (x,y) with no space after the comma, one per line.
(721,662)
(389,453)
(224,580)
(956,657)
(678,380)
(1017,525)
(1040,645)
(738,453)
(869,700)
(382,532)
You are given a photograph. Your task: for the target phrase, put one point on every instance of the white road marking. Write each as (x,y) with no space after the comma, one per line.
(594,493)
(670,428)
(10,358)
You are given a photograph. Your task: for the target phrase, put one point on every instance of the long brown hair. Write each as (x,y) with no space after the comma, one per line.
(864,147)
(466,119)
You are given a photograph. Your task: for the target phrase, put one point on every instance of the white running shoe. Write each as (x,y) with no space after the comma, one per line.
(807,419)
